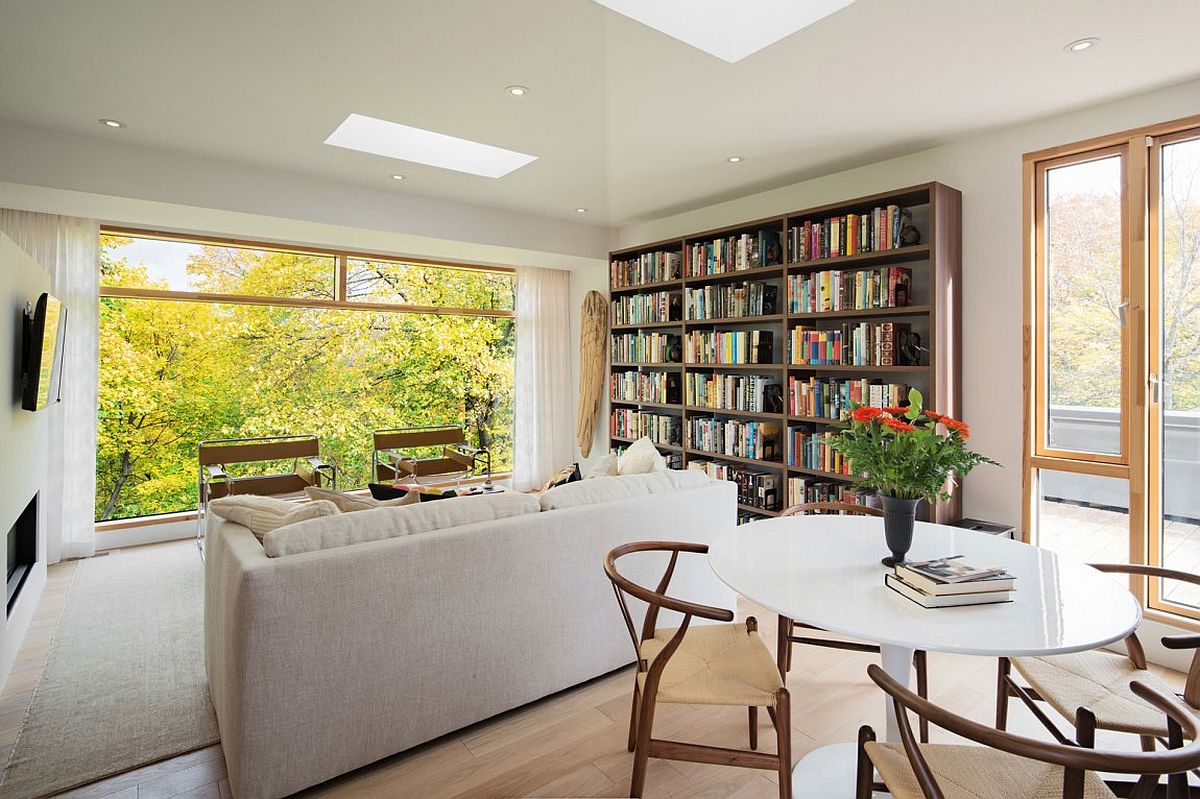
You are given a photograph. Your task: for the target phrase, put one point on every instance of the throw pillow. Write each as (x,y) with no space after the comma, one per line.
(348,503)
(260,515)
(423,493)
(641,457)
(567,474)
(605,467)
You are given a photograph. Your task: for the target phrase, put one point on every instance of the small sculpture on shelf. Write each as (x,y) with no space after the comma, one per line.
(909,235)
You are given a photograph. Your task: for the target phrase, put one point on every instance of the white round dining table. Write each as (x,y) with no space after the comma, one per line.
(825,571)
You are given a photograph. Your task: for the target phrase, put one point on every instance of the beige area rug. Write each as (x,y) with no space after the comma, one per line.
(124,681)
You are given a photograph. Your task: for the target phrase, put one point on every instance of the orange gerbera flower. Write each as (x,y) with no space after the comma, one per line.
(897,425)
(935,416)
(962,428)
(865,414)
(896,409)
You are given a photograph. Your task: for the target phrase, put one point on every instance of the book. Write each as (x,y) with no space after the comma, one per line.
(954,600)
(952,569)
(997,582)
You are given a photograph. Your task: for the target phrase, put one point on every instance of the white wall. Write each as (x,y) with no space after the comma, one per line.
(987,170)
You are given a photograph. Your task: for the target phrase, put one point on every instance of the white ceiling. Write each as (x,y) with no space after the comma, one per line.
(625,121)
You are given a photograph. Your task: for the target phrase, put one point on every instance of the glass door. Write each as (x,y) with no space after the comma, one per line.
(1173,381)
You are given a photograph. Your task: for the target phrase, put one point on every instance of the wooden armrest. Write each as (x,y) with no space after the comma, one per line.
(1182,641)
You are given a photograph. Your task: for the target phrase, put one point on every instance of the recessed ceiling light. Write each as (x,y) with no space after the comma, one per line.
(517,91)
(1079,45)
(112,123)
(736,159)
(393,140)
(730,31)
(581,210)
(397,177)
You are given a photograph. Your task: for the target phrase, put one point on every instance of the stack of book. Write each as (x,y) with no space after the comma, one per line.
(950,582)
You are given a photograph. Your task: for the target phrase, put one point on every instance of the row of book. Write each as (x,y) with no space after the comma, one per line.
(635,309)
(729,346)
(854,344)
(674,459)
(731,392)
(740,299)
(810,489)
(848,234)
(733,253)
(742,439)
(660,428)
(850,290)
(660,387)
(809,450)
(650,267)
(645,347)
(832,398)
(951,582)
(755,488)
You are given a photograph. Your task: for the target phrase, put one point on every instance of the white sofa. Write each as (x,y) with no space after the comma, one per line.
(325,661)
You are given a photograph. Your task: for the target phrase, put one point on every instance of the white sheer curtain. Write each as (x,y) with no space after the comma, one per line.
(68,249)
(544,422)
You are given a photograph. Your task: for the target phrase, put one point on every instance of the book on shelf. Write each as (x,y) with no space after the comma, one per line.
(645,386)
(645,347)
(948,601)
(833,398)
(658,427)
(755,488)
(723,302)
(729,347)
(848,234)
(955,570)
(651,267)
(658,306)
(813,489)
(736,437)
(808,450)
(735,253)
(852,344)
(850,290)
(736,392)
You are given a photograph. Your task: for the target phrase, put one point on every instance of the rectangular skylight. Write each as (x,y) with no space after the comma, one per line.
(728,30)
(406,143)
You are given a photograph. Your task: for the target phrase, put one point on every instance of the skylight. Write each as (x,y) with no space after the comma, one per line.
(728,30)
(406,143)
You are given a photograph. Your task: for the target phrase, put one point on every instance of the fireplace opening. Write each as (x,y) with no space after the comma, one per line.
(22,550)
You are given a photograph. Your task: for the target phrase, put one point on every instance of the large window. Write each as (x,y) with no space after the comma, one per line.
(1113,314)
(212,339)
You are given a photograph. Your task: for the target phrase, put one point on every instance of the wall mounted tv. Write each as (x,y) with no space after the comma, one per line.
(45,329)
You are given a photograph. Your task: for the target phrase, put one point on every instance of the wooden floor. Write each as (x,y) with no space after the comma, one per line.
(571,744)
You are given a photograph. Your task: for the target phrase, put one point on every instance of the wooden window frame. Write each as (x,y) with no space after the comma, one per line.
(341,261)
(1141,417)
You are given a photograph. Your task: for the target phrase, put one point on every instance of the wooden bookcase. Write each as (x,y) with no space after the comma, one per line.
(933,312)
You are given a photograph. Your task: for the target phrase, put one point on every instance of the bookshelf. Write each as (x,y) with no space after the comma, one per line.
(696,278)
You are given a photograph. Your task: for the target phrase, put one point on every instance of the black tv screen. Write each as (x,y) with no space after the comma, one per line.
(43,353)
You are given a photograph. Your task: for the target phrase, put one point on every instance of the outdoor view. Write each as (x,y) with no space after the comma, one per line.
(175,372)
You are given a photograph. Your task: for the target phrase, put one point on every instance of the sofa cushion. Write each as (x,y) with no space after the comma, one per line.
(606,489)
(260,515)
(605,467)
(640,457)
(381,523)
(349,503)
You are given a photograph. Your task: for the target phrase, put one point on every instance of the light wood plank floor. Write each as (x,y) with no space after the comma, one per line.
(569,745)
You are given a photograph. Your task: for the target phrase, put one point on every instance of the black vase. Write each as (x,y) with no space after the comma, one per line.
(898,517)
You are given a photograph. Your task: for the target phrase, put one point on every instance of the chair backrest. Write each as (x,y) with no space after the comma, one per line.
(248,450)
(656,598)
(1074,759)
(1133,646)
(831,507)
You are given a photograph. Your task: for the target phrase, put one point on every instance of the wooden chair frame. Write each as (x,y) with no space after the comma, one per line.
(1076,758)
(1007,687)
(641,717)
(215,456)
(787,627)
